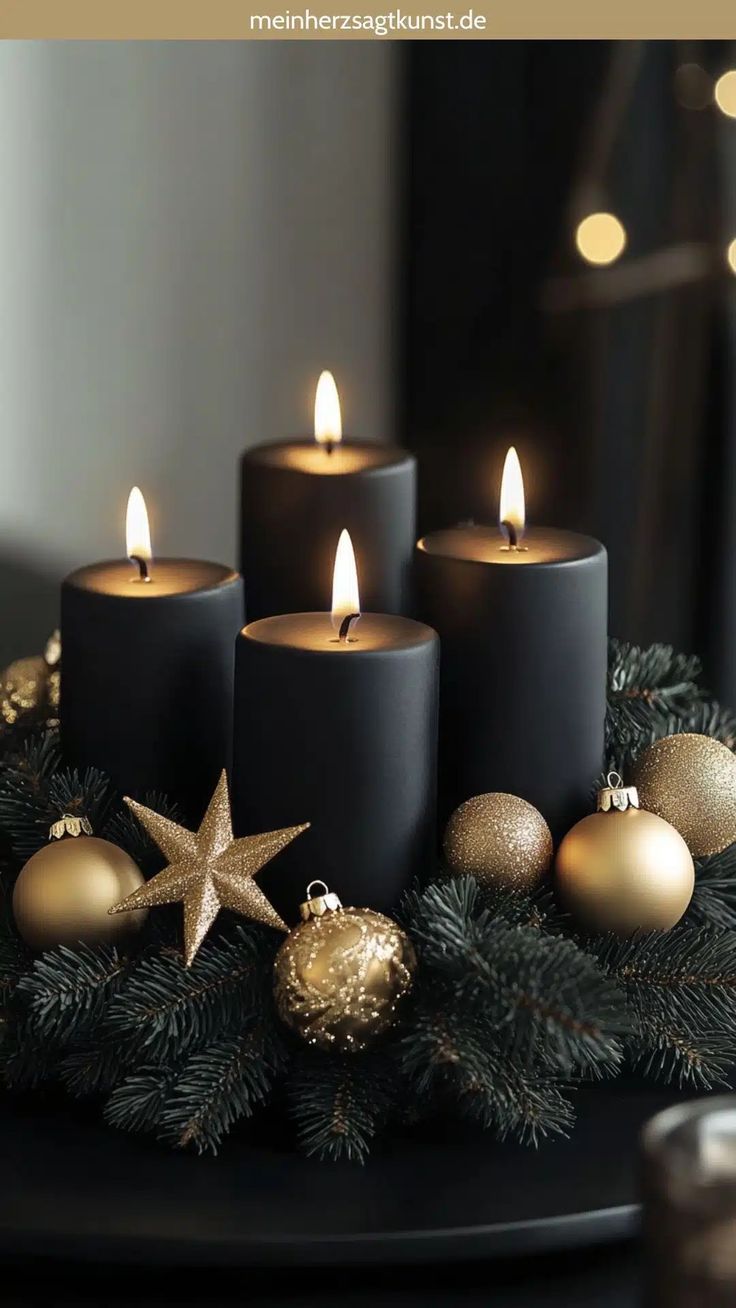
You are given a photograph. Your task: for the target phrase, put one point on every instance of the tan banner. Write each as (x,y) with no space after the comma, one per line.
(319,20)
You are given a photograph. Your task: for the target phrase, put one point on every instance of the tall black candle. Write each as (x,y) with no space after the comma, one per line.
(297,496)
(341,733)
(523,679)
(147,675)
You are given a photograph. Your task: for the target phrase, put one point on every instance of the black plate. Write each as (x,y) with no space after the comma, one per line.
(71,1187)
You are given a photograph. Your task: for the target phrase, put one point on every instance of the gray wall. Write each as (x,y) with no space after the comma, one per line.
(189,233)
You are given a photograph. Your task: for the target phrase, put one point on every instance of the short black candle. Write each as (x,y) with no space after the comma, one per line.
(523,680)
(147,675)
(297,497)
(342,735)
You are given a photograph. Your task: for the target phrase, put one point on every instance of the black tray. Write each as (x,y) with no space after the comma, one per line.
(72,1188)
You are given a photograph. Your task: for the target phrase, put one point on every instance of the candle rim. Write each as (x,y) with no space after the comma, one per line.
(421,632)
(594,547)
(403,458)
(149,591)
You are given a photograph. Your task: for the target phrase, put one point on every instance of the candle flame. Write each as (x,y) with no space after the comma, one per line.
(137,531)
(511,506)
(345,595)
(327,417)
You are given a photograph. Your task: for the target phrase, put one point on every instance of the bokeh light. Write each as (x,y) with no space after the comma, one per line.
(601,238)
(725,93)
(731,255)
(693,86)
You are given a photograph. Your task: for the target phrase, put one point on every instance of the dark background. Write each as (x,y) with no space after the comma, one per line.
(614,384)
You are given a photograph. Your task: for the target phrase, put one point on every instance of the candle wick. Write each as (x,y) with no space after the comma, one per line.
(143,573)
(329,446)
(343,634)
(513,537)
(513,534)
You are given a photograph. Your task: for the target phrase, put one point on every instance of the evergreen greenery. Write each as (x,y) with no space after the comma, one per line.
(511,1013)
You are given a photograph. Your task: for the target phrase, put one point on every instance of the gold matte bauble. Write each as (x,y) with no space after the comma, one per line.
(500,839)
(690,781)
(624,870)
(340,975)
(64,893)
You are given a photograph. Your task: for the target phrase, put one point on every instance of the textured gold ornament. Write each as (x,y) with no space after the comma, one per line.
(623,869)
(501,839)
(690,781)
(29,687)
(340,975)
(208,870)
(64,893)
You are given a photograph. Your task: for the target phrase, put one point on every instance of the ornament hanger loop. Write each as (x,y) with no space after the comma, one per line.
(324,901)
(614,780)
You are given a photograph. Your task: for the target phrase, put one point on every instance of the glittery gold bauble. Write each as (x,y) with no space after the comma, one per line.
(65,891)
(690,781)
(501,839)
(29,687)
(623,869)
(340,975)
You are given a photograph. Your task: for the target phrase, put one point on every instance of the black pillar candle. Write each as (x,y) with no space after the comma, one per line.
(523,679)
(147,675)
(296,498)
(342,735)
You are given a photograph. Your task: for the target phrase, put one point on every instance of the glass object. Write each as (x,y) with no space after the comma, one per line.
(689,1193)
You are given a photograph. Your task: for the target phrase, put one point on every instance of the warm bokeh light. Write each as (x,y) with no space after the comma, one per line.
(731,255)
(327,417)
(345,595)
(693,86)
(725,93)
(137,531)
(511,506)
(601,238)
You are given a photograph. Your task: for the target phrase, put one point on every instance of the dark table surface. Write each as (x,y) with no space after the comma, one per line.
(606,1277)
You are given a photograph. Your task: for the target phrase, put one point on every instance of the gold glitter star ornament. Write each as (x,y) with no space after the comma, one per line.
(208,870)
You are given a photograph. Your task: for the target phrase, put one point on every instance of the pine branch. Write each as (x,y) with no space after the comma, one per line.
(655,692)
(681,988)
(15,958)
(714,898)
(562,1009)
(455,1059)
(25,778)
(701,1060)
(139,1101)
(339,1102)
(168,1008)
(82,795)
(218,1085)
(546,997)
(67,991)
(95,1066)
(24,1064)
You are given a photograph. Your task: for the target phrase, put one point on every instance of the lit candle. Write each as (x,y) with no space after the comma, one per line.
(297,495)
(148,654)
(522,615)
(336,719)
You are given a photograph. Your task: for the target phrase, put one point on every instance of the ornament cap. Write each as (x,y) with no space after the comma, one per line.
(318,905)
(615,795)
(69,825)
